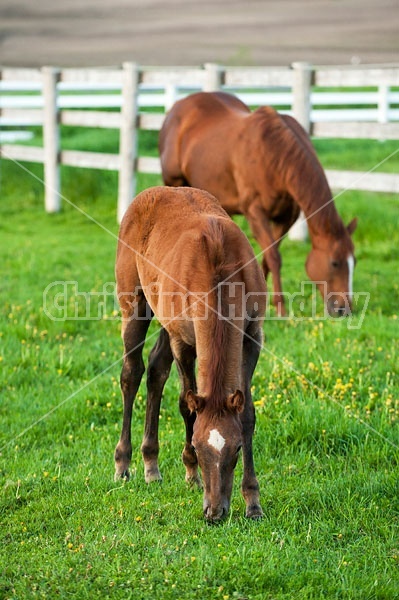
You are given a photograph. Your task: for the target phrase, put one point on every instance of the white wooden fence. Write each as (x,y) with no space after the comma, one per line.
(297,90)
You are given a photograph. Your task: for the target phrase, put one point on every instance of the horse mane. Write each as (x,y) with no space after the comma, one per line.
(291,154)
(215,245)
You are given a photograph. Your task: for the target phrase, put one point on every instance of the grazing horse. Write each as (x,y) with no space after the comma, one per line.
(181,258)
(261,165)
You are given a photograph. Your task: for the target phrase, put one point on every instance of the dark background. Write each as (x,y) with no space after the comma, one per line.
(191,32)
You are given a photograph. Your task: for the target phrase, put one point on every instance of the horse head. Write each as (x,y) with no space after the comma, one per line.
(217,440)
(330,264)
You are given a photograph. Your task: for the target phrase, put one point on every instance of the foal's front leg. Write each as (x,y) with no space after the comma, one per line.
(185,360)
(189,456)
(133,333)
(159,365)
(250,485)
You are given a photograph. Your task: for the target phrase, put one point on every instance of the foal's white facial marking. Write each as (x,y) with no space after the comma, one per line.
(351,266)
(216,440)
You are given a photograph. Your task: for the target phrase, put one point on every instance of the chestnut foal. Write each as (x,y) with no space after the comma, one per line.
(181,258)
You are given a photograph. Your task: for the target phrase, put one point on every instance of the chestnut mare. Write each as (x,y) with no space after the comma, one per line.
(181,258)
(261,165)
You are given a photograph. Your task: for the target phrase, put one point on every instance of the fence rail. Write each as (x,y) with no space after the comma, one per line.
(49,97)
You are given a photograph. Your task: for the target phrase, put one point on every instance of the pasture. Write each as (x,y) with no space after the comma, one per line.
(327,403)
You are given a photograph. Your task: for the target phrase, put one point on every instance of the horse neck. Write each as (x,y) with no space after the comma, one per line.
(219,356)
(310,190)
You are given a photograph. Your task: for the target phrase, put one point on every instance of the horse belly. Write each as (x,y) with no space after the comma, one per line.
(222,187)
(173,315)
(283,209)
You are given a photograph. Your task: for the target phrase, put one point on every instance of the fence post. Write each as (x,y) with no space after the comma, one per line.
(51,140)
(128,138)
(301,89)
(301,107)
(383,103)
(170,95)
(213,78)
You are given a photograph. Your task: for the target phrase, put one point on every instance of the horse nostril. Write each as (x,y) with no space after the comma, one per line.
(337,311)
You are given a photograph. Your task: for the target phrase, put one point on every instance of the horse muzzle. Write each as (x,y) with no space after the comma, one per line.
(338,305)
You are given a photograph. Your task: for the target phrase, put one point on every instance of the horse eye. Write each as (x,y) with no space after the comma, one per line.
(335,264)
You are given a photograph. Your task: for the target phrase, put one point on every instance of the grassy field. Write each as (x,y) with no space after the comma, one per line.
(326,444)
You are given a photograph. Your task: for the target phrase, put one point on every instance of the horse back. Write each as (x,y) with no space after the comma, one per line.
(195,142)
(198,112)
(182,240)
(162,229)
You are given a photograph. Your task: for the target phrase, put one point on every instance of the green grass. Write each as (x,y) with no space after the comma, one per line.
(359,155)
(326,445)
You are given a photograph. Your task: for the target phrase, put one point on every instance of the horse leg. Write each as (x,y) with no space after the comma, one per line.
(279,230)
(262,230)
(184,356)
(133,333)
(250,486)
(159,365)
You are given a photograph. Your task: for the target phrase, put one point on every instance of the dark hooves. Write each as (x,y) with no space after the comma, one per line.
(254,512)
(125,475)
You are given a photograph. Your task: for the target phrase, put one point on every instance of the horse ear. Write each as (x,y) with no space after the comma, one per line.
(352,226)
(195,402)
(235,402)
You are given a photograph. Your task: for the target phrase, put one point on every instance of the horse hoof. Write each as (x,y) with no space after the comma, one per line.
(153,475)
(125,475)
(254,512)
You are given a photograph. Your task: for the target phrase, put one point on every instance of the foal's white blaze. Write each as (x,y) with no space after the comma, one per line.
(216,440)
(351,266)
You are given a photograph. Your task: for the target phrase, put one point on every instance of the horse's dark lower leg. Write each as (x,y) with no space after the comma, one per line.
(250,485)
(271,263)
(185,361)
(132,371)
(263,231)
(189,457)
(159,365)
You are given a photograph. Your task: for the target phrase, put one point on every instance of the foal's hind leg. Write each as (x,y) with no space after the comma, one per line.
(159,365)
(184,356)
(133,332)
(250,487)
